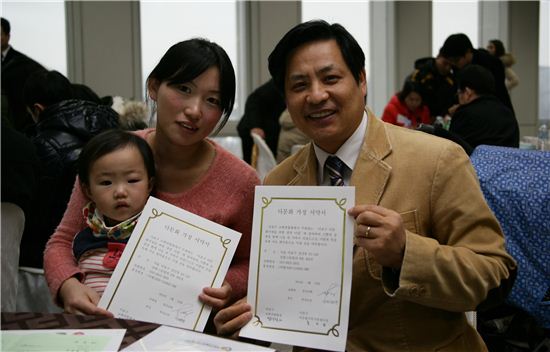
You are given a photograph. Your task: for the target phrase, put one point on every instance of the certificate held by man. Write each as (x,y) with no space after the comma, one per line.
(301,266)
(170,257)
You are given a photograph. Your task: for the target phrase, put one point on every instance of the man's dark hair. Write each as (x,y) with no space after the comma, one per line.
(456,45)
(309,32)
(477,78)
(46,88)
(6,28)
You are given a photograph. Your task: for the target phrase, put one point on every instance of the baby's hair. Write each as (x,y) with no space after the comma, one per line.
(108,142)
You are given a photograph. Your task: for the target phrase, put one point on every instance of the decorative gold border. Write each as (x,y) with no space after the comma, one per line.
(157,214)
(266,202)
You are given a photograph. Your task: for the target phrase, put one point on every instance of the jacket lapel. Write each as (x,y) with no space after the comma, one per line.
(371,172)
(370,168)
(305,167)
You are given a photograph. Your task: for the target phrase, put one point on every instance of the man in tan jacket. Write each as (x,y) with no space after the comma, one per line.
(427,247)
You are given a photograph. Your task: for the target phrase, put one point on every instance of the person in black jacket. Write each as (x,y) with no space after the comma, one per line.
(438,84)
(459,51)
(261,115)
(16,68)
(481,118)
(63,126)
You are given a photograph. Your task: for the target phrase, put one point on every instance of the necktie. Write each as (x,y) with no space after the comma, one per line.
(335,168)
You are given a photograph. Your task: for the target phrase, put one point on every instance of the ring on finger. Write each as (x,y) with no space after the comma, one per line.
(367,232)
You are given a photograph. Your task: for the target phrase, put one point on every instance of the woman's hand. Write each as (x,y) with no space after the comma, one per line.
(78,298)
(230,320)
(217,298)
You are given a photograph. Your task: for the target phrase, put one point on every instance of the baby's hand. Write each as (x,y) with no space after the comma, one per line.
(78,298)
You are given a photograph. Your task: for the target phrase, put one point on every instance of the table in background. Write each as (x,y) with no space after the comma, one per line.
(135,330)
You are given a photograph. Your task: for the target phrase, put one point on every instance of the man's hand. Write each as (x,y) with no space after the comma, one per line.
(78,298)
(258,131)
(217,298)
(230,320)
(380,231)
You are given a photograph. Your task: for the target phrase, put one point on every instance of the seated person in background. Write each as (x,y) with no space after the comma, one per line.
(406,108)
(63,126)
(261,115)
(437,81)
(116,171)
(289,136)
(427,246)
(481,118)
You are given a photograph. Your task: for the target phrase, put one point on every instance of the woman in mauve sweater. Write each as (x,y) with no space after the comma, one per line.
(192,86)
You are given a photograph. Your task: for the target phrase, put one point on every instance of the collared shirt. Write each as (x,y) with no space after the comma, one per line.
(348,153)
(5,52)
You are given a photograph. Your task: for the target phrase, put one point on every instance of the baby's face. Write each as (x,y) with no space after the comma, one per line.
(119,184)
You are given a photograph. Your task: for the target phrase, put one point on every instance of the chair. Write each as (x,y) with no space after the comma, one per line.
(33,294)
(13,224)
(231,143)
(262,157)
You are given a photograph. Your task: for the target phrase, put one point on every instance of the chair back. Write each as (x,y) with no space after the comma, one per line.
(13,224)
(262,157)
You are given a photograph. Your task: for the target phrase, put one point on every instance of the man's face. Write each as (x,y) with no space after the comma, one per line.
(324,100)
(443,65)
(4,40)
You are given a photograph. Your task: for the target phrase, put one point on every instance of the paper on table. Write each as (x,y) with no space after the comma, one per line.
(170,257)
(404,120)
(62,340)
(167,338)
(300,266)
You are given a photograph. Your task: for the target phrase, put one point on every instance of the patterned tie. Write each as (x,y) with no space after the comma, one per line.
(335,168)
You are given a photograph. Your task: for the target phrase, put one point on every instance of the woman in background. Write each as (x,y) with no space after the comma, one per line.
(406,108)
(496,48)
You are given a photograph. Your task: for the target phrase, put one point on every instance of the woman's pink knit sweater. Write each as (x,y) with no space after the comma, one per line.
(224,195)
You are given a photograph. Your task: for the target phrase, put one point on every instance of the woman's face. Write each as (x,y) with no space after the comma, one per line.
(188,112)
(413,101)
(491,48)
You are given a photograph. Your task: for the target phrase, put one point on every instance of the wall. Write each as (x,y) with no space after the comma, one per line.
(413,21)
(103,44)
(524,39)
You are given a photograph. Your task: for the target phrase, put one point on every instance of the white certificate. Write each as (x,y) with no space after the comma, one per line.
(170,257)
(299,281)
(172,339)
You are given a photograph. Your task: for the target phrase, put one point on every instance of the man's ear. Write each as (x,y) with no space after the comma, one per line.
(363,81)
(152,87)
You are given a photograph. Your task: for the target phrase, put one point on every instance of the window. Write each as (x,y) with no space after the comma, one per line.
(166,23)
(454,16)
(354,16)
(38,31)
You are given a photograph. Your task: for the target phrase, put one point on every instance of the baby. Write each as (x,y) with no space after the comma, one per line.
(116,171)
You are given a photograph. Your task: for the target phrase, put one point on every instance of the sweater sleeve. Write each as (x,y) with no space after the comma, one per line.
(237,275)
(59,261)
